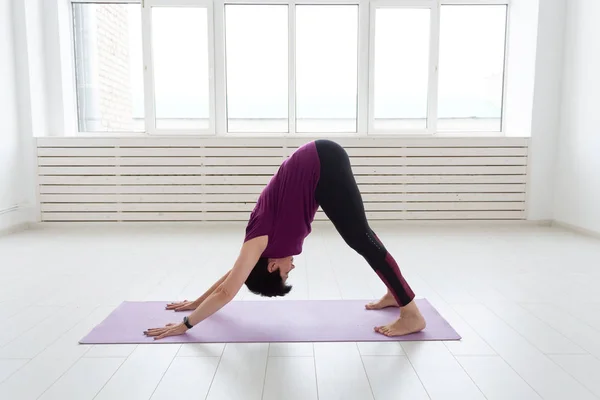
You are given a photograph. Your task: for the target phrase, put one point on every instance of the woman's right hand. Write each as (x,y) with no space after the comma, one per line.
(182,306)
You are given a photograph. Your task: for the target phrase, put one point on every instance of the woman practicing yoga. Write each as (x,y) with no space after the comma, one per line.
(317,174)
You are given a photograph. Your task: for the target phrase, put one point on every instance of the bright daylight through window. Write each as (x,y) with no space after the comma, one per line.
(181,79)
(392,67)
(471,72)
(109,67)
(256,43)
(326,68)
(401,70)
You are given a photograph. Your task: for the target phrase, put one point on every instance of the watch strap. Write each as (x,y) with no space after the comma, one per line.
(186,322)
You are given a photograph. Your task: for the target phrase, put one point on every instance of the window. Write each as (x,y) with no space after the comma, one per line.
(401,70)
(256,43)
(181,78)
(278,67)
(326,68)
(471,69)
(109,67)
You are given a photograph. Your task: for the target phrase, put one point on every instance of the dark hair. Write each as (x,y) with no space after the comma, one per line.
(265,283)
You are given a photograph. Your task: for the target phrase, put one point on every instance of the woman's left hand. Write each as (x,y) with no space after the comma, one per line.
(168,330)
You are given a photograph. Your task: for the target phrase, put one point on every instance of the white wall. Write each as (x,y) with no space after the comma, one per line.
(9,133)
(577,197)
(545,114)
(521,66)
(17,184)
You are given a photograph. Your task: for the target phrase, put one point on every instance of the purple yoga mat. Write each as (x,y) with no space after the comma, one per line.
(267,321)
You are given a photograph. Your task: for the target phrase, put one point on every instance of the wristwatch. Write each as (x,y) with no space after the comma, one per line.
(186,322)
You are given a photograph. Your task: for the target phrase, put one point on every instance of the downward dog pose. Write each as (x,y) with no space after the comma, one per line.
(317,174)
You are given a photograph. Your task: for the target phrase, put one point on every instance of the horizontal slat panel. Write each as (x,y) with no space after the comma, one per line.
(374,142)
(461,215)
(280,142)
(154,180)
(148,198)
(243,216)
(276,161)
(160,161)
(447,179)
(263,180)
(247,207)
(145,216)
(464,161)
(256,189)
(251,198)
(191,189)
(442,197)
(79,151)
(195,179)
(254,170)
(88,217)
(445,206)
(141,170)
(146,141)
(148,207)
(272,161)
(402,215)
(277,152)
(442,188)
(437,151)
(433,170)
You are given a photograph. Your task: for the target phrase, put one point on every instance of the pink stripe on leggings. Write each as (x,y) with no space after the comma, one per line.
(407,290)
(392,263)
(394,267)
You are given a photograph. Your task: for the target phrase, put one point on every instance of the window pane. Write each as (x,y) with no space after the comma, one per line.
(326,68)
(257,68)
(401,68)
(180,56)
(109,67)
(471,70)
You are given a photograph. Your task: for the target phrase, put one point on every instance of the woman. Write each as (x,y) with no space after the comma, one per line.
(317,174)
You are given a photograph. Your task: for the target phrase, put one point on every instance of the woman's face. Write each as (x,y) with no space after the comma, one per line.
(283,265)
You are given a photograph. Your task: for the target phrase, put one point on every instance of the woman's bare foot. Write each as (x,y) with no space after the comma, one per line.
(410,321)
(406,324)
(386,301)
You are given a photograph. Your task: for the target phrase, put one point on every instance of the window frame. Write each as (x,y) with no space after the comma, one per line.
(433,63)
(365,64)
(359,72)
(507,3)
(149,83)
(72,111)
(221,62)
(220,42)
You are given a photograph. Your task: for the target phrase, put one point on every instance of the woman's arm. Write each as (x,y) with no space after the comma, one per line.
(226,291)
(192,305)
(223,293)
(210,291)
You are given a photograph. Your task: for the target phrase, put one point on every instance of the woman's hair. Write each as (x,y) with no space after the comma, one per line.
(265,283)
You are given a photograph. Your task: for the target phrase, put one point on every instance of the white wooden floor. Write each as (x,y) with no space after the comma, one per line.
(526,301)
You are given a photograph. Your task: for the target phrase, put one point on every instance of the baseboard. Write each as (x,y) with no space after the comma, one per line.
(576,229)
(16,218)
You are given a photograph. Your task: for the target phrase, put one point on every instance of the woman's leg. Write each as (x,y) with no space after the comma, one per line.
(338,195)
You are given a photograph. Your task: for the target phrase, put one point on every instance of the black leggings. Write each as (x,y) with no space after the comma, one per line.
(339,197)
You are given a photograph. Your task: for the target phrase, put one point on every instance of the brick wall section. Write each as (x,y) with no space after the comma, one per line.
(116,104)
